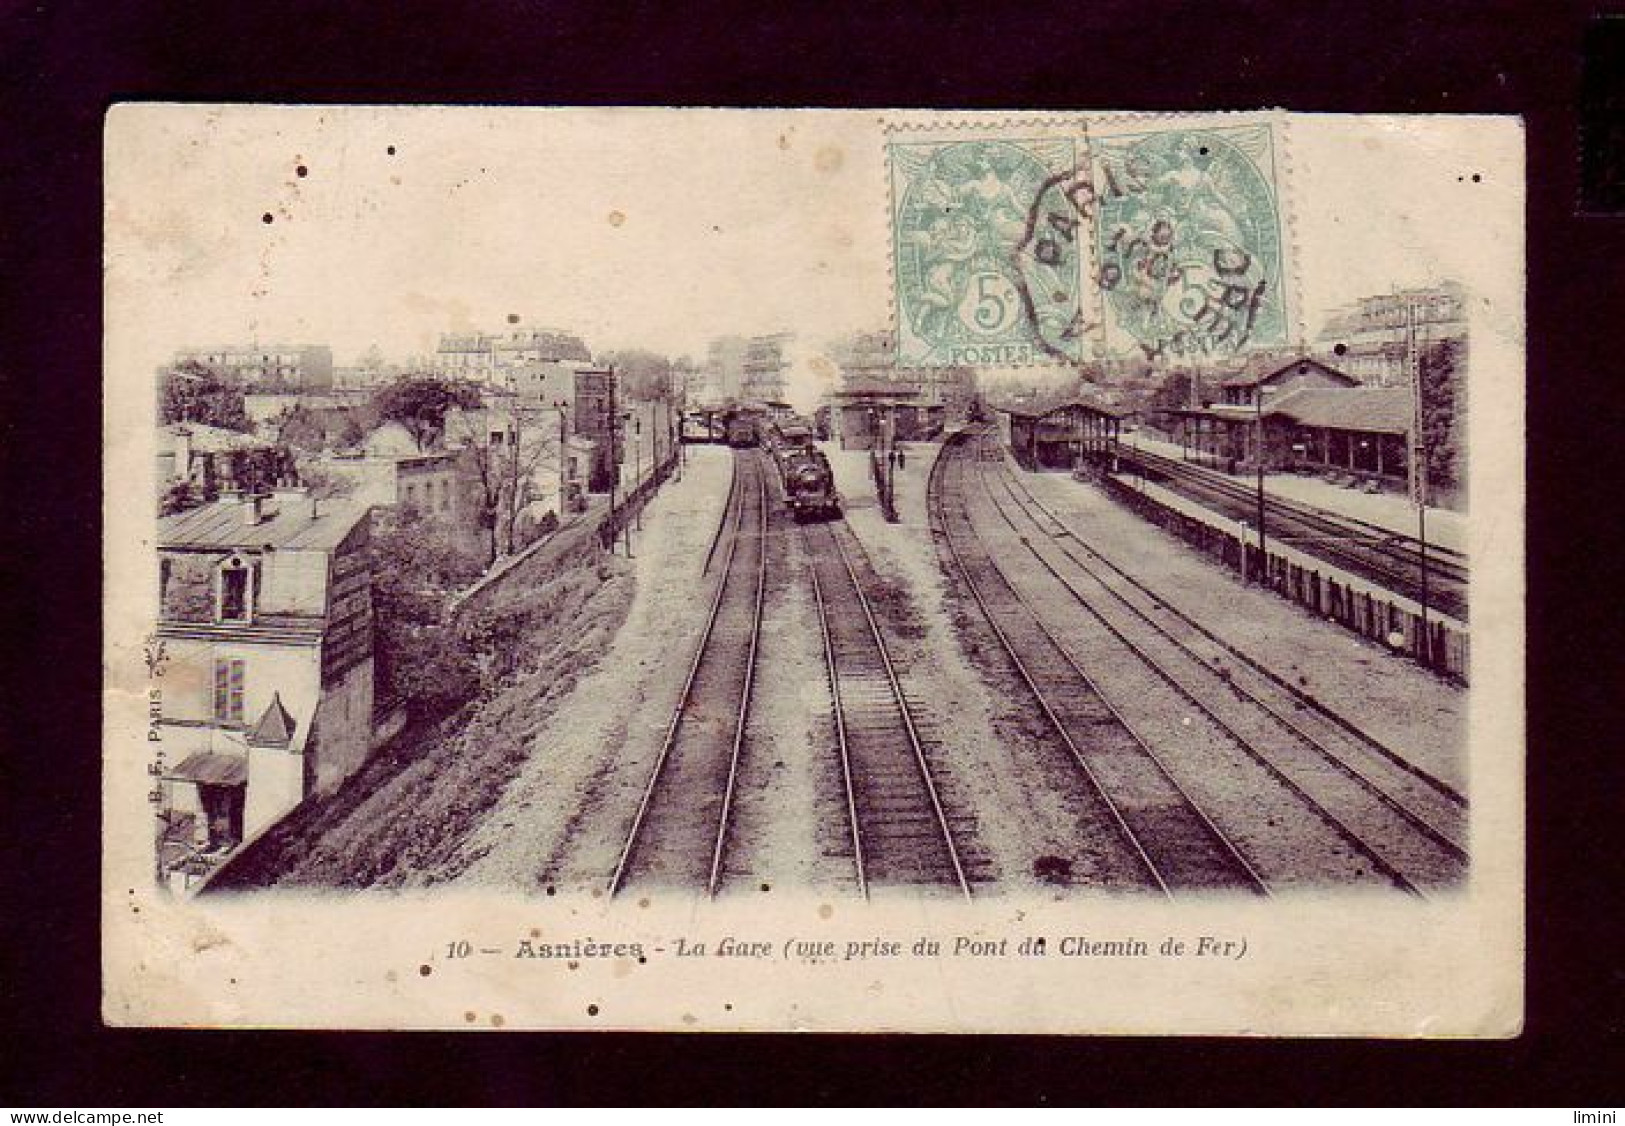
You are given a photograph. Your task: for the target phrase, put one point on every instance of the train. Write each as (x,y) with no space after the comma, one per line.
(804,471)
(743,425)
(742,430)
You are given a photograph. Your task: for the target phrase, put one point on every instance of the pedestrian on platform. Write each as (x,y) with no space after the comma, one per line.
(899,459)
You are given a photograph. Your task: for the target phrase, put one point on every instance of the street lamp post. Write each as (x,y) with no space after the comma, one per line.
(564,480)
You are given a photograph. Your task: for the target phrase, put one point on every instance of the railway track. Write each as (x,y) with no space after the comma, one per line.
(1409,824)
(1395,561)
(900,831)
(1248,675)
(680,833)
(1177,844)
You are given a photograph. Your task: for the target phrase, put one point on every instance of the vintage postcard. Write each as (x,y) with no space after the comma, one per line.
(908,570)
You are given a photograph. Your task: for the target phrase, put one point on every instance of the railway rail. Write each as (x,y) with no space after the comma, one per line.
(1175,841)
(900,831)
(680,832)
(1243,669)
(1373,553)
(1410,825)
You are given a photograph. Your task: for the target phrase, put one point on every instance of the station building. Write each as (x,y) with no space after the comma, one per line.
(869,414)
(1300,416)
(1063,436)
(1304,421)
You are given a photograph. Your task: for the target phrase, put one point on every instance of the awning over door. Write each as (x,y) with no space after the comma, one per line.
(211,769)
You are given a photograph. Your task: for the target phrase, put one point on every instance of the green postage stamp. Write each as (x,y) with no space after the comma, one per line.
(1023,245)
(1190,242)
(989,243)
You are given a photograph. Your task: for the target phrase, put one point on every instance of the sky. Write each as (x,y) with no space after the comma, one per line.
(655,228)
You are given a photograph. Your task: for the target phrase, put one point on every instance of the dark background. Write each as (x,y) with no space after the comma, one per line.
(62,64)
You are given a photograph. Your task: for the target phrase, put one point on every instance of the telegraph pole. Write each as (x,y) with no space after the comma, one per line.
(614,460)
(1258,456)
(1419,467)
(564,490)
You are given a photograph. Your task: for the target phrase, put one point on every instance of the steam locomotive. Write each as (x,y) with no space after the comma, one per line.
(804,471)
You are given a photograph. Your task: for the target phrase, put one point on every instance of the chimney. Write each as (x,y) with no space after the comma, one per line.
(183,453)
(253,510)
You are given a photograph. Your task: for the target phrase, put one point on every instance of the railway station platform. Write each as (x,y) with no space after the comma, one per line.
(1392,512)
(1359,603)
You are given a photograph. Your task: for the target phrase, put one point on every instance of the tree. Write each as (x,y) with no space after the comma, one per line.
(421,402)
(505,469)
(1443,367)
(300,428)
(420,655)
(643,374)
(193,392)
(178,497)
(323,483)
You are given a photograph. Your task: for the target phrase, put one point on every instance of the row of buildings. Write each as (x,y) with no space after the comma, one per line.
(1302,415)
(514,360)
(265,611)
(749,369)
(1376,339)
(1282,413)
(298,367)
(856,379)
(1377,402)
(497,360)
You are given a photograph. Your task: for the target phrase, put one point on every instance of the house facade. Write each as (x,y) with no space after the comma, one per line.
(765,367)
(496,359)
(265,613)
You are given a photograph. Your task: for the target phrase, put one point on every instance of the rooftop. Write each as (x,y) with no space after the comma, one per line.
(1071,404)
(211,769)
(286,523)
(1376,410)
(276,726)
(1263,368)
(877,390)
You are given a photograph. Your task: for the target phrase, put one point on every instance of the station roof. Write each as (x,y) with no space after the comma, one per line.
(1074,404)
(1369,410)
(877,390)
(1374,410)
(1263,369)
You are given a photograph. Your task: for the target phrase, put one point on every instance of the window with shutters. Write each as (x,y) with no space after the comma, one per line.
(228,691)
